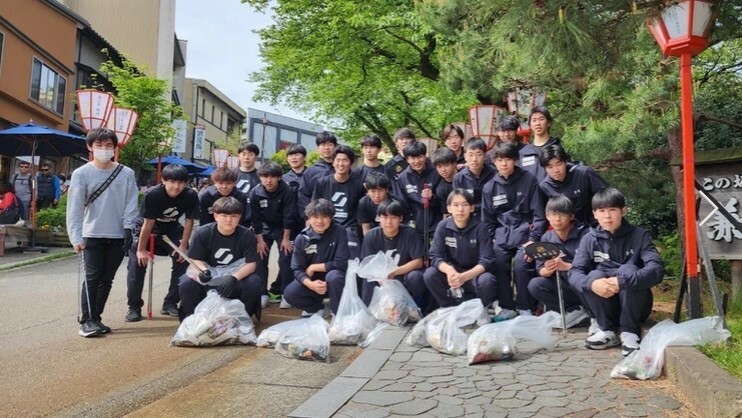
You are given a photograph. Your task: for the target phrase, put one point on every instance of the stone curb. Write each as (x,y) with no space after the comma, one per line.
(711,390)
(338,392)
(36,260)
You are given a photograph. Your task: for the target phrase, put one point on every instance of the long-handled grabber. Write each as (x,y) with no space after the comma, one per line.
(81,277)
(151,274)
(426,222)
(543,251)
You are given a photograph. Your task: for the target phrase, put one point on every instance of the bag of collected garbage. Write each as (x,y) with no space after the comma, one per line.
(391,301)
(269,336)
(215,321)
(646,362)
(305,341)
(353,321)
(442,328)
(215,272)
(496,342)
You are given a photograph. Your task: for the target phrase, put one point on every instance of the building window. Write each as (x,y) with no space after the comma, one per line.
(213,108)
(47,87)
(203,107)
(221,121)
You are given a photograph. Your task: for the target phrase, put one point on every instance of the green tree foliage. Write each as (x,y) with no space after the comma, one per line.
(148,96)
(358,66)
(280,158)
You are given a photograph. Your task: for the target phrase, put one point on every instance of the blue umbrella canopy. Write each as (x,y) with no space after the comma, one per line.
(33,139)
(192,167)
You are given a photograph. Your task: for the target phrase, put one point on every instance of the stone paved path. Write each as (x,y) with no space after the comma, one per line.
(569,381)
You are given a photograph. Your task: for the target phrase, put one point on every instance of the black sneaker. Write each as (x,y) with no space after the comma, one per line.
(104,329)
(134,315)
(90,329)
(169,310)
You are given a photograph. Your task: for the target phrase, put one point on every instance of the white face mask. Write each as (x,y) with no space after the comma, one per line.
(103,155)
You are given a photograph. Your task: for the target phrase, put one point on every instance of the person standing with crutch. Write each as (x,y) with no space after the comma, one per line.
(101,210)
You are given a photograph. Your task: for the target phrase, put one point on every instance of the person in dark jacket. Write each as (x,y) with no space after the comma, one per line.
(344,189)
(578,182)
(319,261)
(247,174)
(453,137)
(540,122)
(48,190)
(566,234)
(444,161)
(326,143)
(377,191)
(224,180)
(272,205)
(296,156)
(370,147)
(616,266)
(461,256)
(398,163)
(513,210)
(476,173)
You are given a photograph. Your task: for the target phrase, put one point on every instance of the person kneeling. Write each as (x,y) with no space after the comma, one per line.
(319,261)
(616,266)
(219,244)
(461,256)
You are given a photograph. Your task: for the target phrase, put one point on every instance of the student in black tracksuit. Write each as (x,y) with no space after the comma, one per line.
(162,208)
(296,155)
(393,238)
(344,189)
(461,256)
(319,261)
(377,191)
(272,205)
(513,210)
(247,174)
(444,161)
(224,180)
(416,184)
(540,122)
(566,234)
(454,139)
(476,173)
(578,182)
(326,143)
(507,131)
(398,163)
(616,266)
(370,147)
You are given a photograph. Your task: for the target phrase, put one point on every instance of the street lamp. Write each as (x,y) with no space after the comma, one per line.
(221,156)
(95,107)
(465,128)
(520,102)
(484,120)
(122,122)
(682,30)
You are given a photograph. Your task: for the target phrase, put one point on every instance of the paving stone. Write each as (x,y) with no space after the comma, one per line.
(400,357)
(381,398)
(422,395)
(505,394)
(450,391)
(416,407)
(481,378)
(464,372)
(354,410)
(425,387)
(447,411)
(431,372)
(664,402)
(377,384)
(552,393)
(500,368)
(398,387)
(479,400)
(390,375)
(547,401)
(525,395)
(473,410)
(494,411)
(427,356)
(531,408)
(514,386)
(521,414)
(510,403)
(466,385)
(542,367)
(550,411)
(584,413)
(563,378)
(448,400)
(470,395)
(607,414)
(391,366)
(441,379)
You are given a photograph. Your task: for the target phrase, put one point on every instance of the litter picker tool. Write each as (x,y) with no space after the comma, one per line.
(151,274)
(426,222)
(188,260)
(543,251)
(81,277)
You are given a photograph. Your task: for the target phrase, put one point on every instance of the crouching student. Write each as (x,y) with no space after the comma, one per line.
(566,235)
(393,238)
(220,243)
(461,256)
(377,191)
(615,266)
(319,261)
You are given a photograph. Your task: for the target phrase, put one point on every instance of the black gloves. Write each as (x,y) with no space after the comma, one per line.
(205,276)
(128,239)
(228,286)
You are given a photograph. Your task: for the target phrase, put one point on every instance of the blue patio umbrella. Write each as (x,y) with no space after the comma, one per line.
(193,168)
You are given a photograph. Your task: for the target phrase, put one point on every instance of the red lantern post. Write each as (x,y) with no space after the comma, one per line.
(484,120)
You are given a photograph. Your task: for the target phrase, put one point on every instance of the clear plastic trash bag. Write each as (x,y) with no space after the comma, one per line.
(391,301)
(269,336)
(442,328)
(646,362)
(353,321)
(215,321)
(305,341)
(498,341)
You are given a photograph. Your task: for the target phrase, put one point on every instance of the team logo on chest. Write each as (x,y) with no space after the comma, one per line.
(451,242)
(599,256)
(169,215)
(223,256)
(500,199)
(410,188)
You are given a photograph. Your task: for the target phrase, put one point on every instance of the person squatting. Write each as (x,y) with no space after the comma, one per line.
(459,225)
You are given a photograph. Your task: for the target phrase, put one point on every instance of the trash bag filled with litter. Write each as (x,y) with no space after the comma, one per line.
(215,321)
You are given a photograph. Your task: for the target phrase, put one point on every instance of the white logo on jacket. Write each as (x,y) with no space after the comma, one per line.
(500,199)
(410,188)
(311,249)
(599,256)
(451,242)
(530,160)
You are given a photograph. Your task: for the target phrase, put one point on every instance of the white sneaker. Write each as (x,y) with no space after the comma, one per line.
(525,312)
(629,343)
(593,327)
(264,301)
(305,314)
(284,305)
(504,315)
(575,317)
(601,340)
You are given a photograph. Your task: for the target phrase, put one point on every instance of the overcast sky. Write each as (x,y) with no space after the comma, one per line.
(223,49)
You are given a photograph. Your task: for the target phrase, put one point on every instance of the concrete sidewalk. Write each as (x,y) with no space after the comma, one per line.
(15,257)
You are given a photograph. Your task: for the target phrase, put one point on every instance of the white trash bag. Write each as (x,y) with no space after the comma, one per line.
(353,321)
(496,342)
(215,321)
(442,328)
(269,336)
(391,301)
(646,362)
(305,341)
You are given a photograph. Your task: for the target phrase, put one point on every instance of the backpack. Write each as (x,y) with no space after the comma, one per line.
(15,177)
(11,214)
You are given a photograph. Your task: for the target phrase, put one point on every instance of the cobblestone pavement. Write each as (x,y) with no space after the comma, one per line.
(568,381)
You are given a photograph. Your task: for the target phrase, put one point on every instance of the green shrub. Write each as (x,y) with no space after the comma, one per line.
(669,248)
(53,219)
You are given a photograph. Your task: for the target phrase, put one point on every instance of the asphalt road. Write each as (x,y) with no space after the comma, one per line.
(47,369)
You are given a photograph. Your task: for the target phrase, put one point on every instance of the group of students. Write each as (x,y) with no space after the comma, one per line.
(459,223)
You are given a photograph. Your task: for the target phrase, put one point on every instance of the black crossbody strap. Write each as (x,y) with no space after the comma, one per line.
(104,186)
